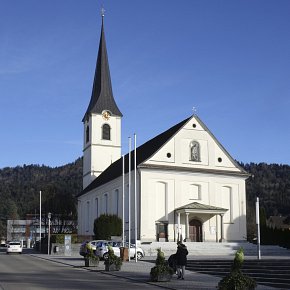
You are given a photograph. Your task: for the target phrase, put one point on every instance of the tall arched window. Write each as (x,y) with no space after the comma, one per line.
(105,203)
(194,151)
(162,200)
(96,207)
(106,132)
(87,220)
(117,202)
(227,202)
(87,134)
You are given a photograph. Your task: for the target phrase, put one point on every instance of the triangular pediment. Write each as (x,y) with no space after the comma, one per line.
(193,146)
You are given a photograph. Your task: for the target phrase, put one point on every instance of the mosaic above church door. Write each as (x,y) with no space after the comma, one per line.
(195,230)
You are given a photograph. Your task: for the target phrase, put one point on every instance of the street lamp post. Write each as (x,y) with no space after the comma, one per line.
(48,242)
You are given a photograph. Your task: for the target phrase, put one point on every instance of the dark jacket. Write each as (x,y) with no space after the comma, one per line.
(181,254)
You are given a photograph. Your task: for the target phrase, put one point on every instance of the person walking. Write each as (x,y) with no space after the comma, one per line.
(181,260)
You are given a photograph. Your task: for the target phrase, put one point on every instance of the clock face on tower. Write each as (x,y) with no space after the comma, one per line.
(106,115)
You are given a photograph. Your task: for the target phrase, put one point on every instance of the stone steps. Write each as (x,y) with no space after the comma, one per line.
(214,249)
(274,273)
(216,259)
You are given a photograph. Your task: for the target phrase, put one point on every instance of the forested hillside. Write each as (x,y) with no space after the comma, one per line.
(271,183)
(20,186)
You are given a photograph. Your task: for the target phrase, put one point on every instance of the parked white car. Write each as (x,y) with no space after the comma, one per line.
(93,244)
(102,249)
(14,247)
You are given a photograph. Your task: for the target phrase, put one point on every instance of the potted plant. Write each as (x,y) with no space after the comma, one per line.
(112,263)
(90,258)
(236,280)
(161,272)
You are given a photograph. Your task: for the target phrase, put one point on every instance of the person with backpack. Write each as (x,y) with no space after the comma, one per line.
(172,263)
(181,259)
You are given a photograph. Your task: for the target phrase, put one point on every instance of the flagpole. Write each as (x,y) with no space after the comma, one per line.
(123,201)
(129,199)
(40,221)
(135,195)
(258,229)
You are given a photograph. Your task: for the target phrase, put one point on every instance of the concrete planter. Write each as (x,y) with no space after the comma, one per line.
(112,267)
(162,277)
(91,262)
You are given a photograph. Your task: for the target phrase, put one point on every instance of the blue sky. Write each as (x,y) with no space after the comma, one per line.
(228,59)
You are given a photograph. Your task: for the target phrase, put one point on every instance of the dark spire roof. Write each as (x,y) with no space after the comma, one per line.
(102,94)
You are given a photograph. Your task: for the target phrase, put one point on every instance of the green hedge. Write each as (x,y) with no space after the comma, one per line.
(270,236)
(106,226)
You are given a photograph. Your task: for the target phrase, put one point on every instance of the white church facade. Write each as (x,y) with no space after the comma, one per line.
(188,187)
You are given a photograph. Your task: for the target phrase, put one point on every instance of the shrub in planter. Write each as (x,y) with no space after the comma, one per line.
(161,271)
(112,263)
(236,280)
(90,258)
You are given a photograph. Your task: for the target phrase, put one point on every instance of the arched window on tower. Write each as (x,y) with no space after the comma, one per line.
(194,151)
(106,132)
(87,134)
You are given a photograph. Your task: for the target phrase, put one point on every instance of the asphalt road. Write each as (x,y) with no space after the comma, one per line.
(25,272)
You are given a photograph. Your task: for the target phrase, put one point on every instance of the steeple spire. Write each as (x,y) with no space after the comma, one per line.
(102,94)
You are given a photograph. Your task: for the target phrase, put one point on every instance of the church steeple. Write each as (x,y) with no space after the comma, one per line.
(102,121)
(102,94)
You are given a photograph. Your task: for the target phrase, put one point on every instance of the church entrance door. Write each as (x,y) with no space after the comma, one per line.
(195,230)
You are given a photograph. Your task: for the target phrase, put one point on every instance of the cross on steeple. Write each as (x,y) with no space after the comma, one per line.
(103,12)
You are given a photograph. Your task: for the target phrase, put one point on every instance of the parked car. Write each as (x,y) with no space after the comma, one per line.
(93,244)
(14,247)
(102,249)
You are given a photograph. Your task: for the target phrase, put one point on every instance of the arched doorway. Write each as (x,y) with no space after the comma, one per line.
(195,230)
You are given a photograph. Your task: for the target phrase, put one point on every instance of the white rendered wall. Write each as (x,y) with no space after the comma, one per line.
(179,195)
(109,189)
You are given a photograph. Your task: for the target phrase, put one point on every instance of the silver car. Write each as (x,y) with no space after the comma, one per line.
(93,244)
(102,249)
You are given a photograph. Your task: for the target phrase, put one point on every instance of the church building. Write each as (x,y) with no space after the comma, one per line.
(188,187)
